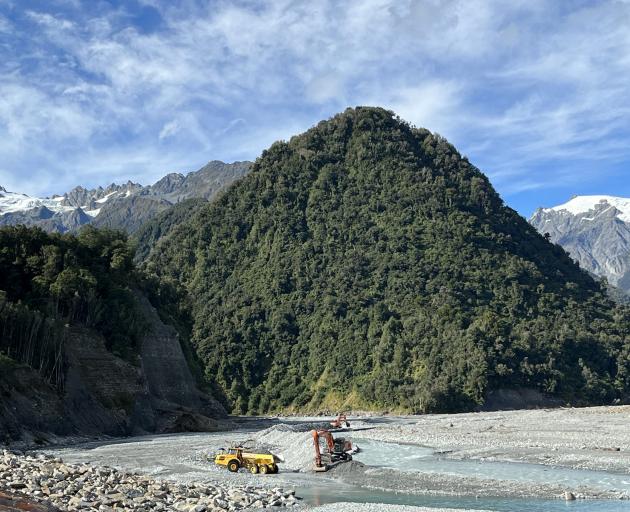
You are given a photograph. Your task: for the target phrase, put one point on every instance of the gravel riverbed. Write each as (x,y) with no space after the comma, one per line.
(87,487)
(595,438)
(518,455)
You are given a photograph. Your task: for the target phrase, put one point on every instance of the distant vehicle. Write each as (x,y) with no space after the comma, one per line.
(236,458)
(340,420)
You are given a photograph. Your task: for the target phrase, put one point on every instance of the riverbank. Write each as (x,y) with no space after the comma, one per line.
(475,461)
(48,480)
(594,438)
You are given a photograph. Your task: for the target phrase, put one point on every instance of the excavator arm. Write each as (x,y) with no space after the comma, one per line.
(335,455)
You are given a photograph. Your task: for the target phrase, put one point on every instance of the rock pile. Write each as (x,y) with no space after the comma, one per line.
(86,487)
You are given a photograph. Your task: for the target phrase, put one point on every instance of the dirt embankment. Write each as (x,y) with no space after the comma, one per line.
(105,395)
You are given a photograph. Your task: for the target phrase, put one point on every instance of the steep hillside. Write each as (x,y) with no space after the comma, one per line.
(126,206)
(367,264)
(595,230)
(82,351)
(151,232)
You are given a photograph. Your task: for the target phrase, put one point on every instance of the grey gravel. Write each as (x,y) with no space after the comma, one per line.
(73,487)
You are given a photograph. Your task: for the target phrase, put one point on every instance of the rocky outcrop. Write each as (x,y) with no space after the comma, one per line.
(595,233)
(177,402)
(206,183)
(129,213)
(106,395)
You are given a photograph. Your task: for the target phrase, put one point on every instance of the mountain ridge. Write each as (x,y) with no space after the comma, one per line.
(595,230)
(120,206)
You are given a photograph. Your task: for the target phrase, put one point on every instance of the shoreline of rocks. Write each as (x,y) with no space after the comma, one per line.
(70,487)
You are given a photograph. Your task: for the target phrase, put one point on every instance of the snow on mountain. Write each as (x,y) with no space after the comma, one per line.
(12,202)
(124,206)
(91,204)
(584,204)
(595,231)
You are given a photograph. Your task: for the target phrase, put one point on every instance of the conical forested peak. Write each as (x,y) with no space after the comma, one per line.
(389,152)
(366,264)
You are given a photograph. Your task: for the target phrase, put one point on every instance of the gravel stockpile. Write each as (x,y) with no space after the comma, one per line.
(87,487)
(293,443)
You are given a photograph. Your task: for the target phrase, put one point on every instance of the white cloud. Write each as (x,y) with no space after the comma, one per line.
(434,104)
(169,129)
(5,25)
(512,84)
(50,21)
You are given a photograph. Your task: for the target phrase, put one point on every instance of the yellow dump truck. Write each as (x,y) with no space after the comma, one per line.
(235,458)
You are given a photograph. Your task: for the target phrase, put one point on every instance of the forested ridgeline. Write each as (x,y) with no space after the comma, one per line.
(151,232)
(51,281)
(367,264)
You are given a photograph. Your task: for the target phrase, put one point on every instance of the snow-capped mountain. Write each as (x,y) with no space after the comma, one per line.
(125,206)
(595,230)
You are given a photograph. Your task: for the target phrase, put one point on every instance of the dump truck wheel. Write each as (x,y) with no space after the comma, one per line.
(233,466)
(274,469)
(264,470)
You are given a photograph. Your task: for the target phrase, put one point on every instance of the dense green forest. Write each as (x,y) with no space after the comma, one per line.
(151,232)
(367,264)
(51,281)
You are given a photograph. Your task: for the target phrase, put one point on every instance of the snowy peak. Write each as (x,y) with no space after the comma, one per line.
(91,200)
(12,202)
(597,204)
(589,229)
(2,189)
(125,206)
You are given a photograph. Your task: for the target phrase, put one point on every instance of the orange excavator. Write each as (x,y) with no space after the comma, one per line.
(340,420)
(335,450)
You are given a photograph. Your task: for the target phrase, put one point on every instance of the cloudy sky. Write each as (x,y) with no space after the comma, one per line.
(535,93)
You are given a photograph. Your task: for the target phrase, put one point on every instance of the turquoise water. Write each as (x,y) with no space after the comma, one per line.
(322,494)
(418,458)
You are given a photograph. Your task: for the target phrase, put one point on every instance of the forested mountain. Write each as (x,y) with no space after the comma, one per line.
(125,206)
(82,351)
(595,230)
(366,264)
(151,232)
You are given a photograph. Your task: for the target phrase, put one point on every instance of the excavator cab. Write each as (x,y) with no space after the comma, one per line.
(340,421)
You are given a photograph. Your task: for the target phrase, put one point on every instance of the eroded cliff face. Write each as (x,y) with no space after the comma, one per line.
(106,395)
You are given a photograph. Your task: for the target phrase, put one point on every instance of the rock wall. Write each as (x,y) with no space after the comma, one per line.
(598,240)
(106,395)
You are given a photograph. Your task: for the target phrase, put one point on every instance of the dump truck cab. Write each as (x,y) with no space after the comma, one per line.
(230,458)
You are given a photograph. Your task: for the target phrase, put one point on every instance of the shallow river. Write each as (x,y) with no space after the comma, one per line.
(181,457)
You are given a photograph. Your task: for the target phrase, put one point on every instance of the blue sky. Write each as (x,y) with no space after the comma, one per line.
(536,93)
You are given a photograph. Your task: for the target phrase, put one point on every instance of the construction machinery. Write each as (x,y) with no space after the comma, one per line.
(340,420)
(330,451)
(236,458)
